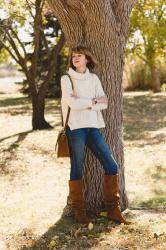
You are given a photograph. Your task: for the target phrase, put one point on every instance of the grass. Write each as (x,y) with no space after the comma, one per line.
(144,113)
(17,101)
(33,182)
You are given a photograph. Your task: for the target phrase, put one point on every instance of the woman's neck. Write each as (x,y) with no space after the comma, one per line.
(81,70)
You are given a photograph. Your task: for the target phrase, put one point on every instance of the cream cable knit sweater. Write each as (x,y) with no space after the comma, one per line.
(86,86)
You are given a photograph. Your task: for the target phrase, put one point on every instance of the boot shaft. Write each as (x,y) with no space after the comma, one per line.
(111,187)
(76,190)
(76,197)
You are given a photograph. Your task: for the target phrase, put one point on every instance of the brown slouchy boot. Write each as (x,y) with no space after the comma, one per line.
(76,197)
(111,199)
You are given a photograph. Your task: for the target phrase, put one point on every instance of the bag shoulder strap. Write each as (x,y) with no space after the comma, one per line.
(68,112)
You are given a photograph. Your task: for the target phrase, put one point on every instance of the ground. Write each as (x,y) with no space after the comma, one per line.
(33,182)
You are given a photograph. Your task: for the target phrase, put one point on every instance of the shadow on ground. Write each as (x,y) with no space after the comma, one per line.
(14,101)
(157,202)
(144,113)
(22,105)
(66,234)
(159,173)
(11,149)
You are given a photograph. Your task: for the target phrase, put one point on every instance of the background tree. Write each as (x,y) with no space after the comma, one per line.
(30,15)
(148,36)
(103,27)
(52,31)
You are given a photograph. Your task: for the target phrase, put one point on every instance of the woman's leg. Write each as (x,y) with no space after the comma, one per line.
(111,186)
(76,141)
(101,150)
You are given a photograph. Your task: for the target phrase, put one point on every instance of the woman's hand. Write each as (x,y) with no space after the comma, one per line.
(102,99)
(74,95)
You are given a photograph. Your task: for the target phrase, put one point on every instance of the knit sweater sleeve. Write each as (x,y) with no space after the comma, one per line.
(74,103)
(99,92)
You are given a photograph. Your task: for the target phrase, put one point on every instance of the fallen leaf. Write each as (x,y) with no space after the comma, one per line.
(90,226)
(77,232)
(52,244)
(104,214)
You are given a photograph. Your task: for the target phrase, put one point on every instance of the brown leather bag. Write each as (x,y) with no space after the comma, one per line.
(61,145)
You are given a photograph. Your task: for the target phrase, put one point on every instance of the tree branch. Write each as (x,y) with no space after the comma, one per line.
(18,40)
(122,10)
(37,31)
(129,4)
(18,60)
(12,44)
(9,51)
(30,9)
(52,59)
(161,14)
(142,58)
(72,18)
(45,42)
(42,5)
(101,9)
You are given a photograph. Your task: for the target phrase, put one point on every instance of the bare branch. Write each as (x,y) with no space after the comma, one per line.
(37,32)
(9,51)
(12,44)
(45,42)
(52,62)
(18,40)
(161,14)
(142,58)
(16,57)
(30,8)
(42,5)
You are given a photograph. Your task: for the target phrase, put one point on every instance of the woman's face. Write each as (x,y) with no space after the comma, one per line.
(79,60)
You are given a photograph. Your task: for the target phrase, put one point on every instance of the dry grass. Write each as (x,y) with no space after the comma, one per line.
(33,183)
(145,147)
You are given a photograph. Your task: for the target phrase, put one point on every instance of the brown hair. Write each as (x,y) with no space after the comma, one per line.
(92,62)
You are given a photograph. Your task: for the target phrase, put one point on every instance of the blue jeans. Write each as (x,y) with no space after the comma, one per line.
(92,137)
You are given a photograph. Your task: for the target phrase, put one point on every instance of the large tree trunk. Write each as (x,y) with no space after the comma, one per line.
(155,78)
(38,106)
(102,26)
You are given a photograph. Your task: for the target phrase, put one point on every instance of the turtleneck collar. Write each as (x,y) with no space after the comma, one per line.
(76,75)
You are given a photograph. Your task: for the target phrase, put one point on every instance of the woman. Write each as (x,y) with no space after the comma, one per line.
(86,102)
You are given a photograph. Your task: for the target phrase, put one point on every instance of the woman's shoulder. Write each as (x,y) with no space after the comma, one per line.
(65,77)
(65,81)
(95,77)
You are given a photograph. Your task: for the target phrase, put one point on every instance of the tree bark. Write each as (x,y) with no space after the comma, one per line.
(155,78)
(102,26)
(38,120)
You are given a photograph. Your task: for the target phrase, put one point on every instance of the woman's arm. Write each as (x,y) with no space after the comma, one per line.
(101,98)
(70,98)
